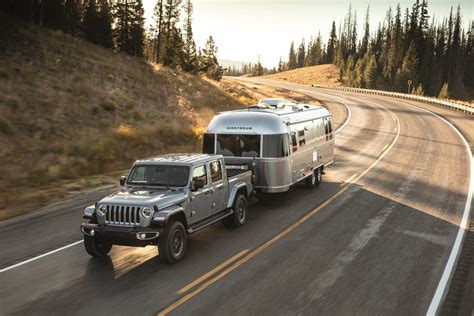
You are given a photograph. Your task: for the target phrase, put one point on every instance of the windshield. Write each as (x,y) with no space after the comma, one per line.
(159,175)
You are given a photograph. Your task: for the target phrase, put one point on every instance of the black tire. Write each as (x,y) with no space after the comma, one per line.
(97,247)
(239,216)
(172,245)
(314,179)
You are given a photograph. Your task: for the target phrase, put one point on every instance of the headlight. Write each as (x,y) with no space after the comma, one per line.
(101,210)
(146,212)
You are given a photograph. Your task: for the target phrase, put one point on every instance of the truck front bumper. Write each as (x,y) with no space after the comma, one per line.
(127,236)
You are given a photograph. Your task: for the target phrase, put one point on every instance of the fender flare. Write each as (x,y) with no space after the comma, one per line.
(165,214)
(233,193)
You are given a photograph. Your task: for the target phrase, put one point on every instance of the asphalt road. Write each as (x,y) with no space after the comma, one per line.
(373,238)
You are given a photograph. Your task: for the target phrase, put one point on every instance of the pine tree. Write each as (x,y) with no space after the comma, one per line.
(158,17)
(209,63)
(137,29)
(280,65)
(129,27)
(104,25)
(121,14)
(72,17)
(419,90)
(174,49)
(394,56)
(310,55)
(301,55)
(370,74)
(331,44)
(171,17)
(364,46)
(359,74)
(353,37)
(91,23)
(456,71)
(190,56)
(444,92)
(292,62)
(258,71)
(409,70)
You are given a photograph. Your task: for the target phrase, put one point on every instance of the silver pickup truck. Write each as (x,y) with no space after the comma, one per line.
(163,199)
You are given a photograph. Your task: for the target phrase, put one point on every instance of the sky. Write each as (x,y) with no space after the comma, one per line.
(245,30)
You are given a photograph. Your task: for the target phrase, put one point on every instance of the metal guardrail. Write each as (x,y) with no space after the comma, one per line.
(450,105)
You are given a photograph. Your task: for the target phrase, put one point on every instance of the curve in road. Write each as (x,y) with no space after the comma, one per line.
(373,238)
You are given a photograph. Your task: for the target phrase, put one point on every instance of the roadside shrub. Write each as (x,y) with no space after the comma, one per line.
(95,110)
(108,106)
(12,103)
(137,116)
(5,127)
(131,104)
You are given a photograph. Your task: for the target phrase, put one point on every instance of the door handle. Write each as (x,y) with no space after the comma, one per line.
(208,192)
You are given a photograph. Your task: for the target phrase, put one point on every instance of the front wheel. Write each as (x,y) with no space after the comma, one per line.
(239,216)
(172,245)
(96,247)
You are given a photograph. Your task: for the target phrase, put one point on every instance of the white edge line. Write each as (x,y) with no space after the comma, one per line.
(80,241)
(40,256)
(347,118)
(455,251)
(453,257)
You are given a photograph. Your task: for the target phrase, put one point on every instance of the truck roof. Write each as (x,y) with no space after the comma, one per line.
(180,158)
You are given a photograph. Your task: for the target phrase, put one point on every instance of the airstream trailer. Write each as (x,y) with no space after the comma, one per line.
(283,142)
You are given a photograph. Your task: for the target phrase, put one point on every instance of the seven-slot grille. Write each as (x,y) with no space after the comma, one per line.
(122,215)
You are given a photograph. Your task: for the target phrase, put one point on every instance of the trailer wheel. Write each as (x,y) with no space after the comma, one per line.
(239,216)
(314,179)
(172,245)
(97,247)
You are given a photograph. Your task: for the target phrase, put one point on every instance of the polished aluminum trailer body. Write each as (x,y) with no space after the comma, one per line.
(282,142)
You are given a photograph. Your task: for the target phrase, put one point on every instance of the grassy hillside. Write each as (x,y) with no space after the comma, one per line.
(70,109)
(320,75)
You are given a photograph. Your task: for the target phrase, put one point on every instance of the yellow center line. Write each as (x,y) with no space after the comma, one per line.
(280,235)
(212,272)
(351,178)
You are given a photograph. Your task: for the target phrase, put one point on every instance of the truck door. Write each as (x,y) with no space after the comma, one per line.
(218,187)
(201,198)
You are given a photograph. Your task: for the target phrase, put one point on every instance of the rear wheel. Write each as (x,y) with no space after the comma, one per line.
(239,216)
(96,247)
(172,245)
(314,179)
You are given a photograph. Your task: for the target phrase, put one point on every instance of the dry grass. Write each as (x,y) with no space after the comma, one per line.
(70,109)
(319,75)
(249,93)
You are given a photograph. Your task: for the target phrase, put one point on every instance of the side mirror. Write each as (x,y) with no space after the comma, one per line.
(197,184)
(122,180)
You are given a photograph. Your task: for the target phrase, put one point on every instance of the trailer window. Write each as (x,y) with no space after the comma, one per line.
(330,127)
(294,143)
(208,143)
(238,145)
(275,146)
(301,137)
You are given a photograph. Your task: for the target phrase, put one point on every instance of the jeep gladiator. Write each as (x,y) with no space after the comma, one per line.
(163,199)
